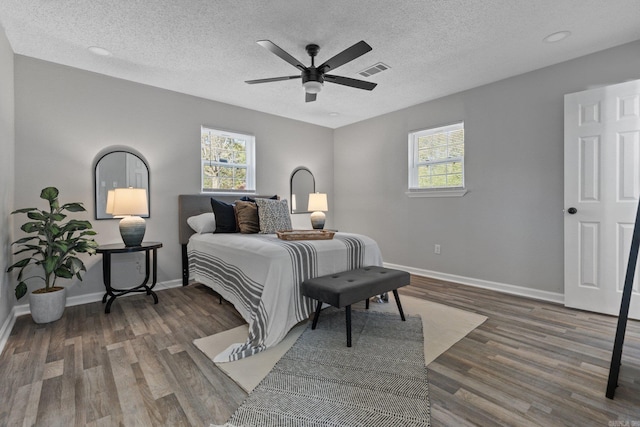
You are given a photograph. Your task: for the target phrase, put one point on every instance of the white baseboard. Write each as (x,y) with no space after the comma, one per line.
(23,309)
(485,284)
(97,296)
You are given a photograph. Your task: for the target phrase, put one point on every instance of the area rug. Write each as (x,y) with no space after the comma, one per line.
(380,381)
(443,326)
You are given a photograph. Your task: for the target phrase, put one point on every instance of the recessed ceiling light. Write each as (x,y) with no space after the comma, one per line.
(334,114)
(97,50)
(556,37)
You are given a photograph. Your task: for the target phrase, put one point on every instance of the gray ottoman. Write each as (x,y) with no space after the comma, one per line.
(343,289)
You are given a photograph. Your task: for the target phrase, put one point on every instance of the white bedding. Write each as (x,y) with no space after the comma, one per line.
(261,275)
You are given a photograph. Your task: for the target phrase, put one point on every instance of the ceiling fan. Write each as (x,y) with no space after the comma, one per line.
(314,77)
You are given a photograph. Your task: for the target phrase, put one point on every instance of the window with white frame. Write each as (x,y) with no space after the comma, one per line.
(436,158)
(228,161)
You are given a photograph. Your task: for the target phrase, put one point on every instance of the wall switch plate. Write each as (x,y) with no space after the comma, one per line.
(436,249)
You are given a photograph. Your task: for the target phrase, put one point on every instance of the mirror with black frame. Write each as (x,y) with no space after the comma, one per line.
(301,184)
(120,168)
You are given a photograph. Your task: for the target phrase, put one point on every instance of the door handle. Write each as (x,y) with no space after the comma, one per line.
(572,210)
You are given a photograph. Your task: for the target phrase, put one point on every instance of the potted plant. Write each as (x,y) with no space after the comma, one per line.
(52,245)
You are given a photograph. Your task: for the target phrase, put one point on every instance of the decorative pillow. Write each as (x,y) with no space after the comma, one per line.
(273,215)
(247,216)
(203,223)
(225,216)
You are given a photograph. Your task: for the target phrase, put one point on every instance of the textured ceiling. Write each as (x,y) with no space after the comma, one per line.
(208,49)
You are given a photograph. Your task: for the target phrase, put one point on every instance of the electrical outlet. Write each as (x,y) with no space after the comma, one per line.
(436,249)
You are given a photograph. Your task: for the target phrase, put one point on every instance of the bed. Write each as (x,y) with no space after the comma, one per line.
(261,274)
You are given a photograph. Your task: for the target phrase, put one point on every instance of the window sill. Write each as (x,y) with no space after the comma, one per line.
(230,193)
(445,192)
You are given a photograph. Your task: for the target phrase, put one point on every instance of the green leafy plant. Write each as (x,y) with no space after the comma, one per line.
(53,245)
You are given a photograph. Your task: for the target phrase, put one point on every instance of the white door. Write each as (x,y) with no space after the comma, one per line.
(601,190)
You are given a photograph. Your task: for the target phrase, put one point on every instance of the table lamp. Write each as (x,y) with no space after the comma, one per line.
(130,203)
(318,205)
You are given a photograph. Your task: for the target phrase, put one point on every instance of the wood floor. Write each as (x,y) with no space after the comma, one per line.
(531,363)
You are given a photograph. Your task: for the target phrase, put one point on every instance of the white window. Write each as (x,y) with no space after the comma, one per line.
(228,161)
(436,160)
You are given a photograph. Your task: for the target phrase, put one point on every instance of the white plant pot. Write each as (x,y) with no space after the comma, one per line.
(47,307)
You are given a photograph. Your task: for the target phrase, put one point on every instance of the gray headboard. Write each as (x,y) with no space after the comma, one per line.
(195,204)
(190,205)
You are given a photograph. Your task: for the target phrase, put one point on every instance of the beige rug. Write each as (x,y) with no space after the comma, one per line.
(443,326)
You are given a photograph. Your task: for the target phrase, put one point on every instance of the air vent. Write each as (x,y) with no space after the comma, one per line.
(374,69)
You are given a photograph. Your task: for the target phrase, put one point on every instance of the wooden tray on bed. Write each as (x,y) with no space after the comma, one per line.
(305,234)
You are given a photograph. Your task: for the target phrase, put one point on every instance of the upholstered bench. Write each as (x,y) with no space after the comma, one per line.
(343,289)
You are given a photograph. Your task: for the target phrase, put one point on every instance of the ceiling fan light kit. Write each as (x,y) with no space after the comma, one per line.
(312,87)
(313,77)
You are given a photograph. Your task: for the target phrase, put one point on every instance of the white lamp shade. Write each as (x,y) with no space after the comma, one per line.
(129,201)
(110,196)
(318,202)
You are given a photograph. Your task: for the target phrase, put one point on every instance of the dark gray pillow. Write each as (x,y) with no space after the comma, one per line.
(225,216)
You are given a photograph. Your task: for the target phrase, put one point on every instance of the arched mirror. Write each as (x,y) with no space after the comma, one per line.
(302,183)
(118,169)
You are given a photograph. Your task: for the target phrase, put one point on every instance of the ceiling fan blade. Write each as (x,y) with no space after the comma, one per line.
(310,97)
(272,79)
(345,56)
(268,44)
(346,81)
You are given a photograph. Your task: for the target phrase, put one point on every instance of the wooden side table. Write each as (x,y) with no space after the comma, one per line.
(119,248)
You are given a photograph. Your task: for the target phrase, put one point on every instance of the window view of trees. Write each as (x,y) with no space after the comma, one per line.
(225,160)
(438,157)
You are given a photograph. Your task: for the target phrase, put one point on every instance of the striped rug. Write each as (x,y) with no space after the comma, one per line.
(380,381)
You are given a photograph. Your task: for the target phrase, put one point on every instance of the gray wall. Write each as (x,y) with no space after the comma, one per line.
(509,227)
(7,144)
(65,117)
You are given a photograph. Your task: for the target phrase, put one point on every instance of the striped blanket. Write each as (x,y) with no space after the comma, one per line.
(261,276)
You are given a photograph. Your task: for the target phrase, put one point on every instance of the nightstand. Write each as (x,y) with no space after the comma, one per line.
(119,248)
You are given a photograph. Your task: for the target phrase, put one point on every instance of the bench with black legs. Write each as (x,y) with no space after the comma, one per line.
(348,287)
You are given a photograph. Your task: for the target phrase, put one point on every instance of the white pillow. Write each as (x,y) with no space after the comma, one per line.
(203,223)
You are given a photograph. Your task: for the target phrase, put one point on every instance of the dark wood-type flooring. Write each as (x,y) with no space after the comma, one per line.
(531,363)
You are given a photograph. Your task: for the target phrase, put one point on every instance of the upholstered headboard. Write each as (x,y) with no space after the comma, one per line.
(195,204)
(191,205)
